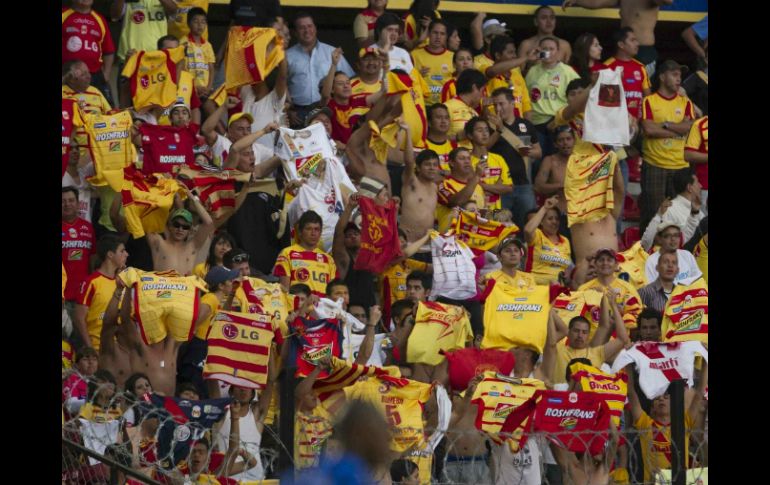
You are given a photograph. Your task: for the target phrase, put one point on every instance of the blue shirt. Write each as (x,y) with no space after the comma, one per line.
(702,28)
(307,71)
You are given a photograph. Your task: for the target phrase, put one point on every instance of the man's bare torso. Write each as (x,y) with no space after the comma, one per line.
(418,208)
(167,256)
(641,16)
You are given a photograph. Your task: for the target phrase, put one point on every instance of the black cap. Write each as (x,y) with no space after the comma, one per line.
(672,65)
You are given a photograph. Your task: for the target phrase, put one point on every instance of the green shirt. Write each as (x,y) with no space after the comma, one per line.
(548,90)
(144,22)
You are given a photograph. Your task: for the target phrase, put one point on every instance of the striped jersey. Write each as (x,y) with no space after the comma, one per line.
(626,297)
(613,387)
(96,293)
(588,186)
(686,316)
(314,268)
(152,77)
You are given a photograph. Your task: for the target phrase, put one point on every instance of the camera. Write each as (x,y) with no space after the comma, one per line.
(544,54)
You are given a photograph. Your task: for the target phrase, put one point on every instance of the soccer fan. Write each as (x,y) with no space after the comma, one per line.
(434,61)
(549,180)
(636,83)
(495,178)
(77,245)
(85,36)
(304,262)
(199,54)
(462,59)
(363,24)
(655,295)
(682,211)
(419,193)
(545,21)
(550,254)
(625,295)
(462,184)
(144,22)
(463,106)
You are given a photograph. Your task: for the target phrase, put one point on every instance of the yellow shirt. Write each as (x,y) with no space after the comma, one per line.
(201,269)
(440,66)
(90,101)
(656,443)
(482,62)
(626,297)
(359,88)
(410,28)
(521,101)
(447,189)
(198,58)
(442,151)
(212,301)
(521,280)
(459,114)
(393,280)
(497,172)
(97,292)
(564,354)
(546,259)
(666,152)
(314,268)
(701,254)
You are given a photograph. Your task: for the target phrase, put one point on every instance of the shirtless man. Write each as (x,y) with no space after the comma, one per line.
(466,446)
(545,21)
(123,352)
(584,469)
(640,15)
(175,250)
(550,178)
(418,191)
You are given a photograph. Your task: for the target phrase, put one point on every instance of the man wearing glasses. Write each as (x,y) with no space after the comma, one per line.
(175,249)
(668,237)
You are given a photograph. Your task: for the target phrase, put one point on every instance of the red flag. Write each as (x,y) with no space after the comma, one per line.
(466,363)
(167,146)
(379,236)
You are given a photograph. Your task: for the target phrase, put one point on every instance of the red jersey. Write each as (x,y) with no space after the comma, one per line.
(70,117)
(167,146)
(577,421)
(634,81)
(77,245)
(343,118)
(85,37)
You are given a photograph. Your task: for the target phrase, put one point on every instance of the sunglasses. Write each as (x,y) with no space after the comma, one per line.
(179,225)
(241,258)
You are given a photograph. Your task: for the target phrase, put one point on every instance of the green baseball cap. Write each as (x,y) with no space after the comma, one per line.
(183,213)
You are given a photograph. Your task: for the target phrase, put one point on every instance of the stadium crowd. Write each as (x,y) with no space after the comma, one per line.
(438,243)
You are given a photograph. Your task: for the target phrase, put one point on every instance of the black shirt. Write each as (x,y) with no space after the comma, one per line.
(515,161)
(698,91)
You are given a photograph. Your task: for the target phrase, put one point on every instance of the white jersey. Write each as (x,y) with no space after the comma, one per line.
(660,363)
(303,150)
(454,274)
(327,308)
(351,344)
(688,267)
(399,58)
(251,438)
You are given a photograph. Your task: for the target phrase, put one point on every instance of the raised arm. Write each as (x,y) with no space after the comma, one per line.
(545,370)
(234,154)
(602,334)
(409,165)
(557,330)
(367,345)
(612,348)
(466,193)
(502,67)
(477,34)
(206,227)
(328,82)
(282,80)
(339,252)
(534,223)
(590,4)
(208,130)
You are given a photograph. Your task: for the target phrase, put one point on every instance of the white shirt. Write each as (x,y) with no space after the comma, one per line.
(679,214)
(454,274)
(250,441)
(221,148)
(85,191)
(399,59)
(267,110)
(688,267)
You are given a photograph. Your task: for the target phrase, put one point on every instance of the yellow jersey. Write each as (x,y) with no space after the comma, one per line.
(312,267)
(626,297)
(588,186)
(144,23)
(184,91)
(514,81)
(497,172)
(212,301)
(612,387)
(441,67)
(311,430)
(546,259)
(110,147)
(410,28)
(96,293)
(198,59)
(666,152)
(564,354)
(447,189)
(701,254)
(393,280)
(655,438)
(442,150)
(521,280)
(459,114)
(177,23)
(360,88)
(90,101)
(516,316)
(437,327)
(482,62)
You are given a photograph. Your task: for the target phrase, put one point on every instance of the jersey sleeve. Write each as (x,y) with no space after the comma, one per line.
(208,53)
(647,109)
(86,295)
(130,67)
(444,193)
(446,91)
(505,173)
(694,138)
(333,271)
(645,78)
(282,264)
(689,111)
(559,119)
(410,29)
(526,102)
(360,27)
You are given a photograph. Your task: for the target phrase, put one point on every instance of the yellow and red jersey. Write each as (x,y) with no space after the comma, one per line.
(96,293)
(314,268)
(393,280)
(655,438)
(497,172)
(410,28)
(153,77)
(701,253)
(612,387)
(626,297)
(514,81)
(360,88)
(449,90)
(85,37)
(447,189)
(177,23)
(581,148)
(442,150)
(482,62)
(698,141)
(344,116)
(459,114)
(198,60)
(546,259)
(77,244)
(666,152)
(311,430)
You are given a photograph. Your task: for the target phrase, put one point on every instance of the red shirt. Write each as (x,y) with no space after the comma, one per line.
(85,37)
(167,146)
(343,118)
(634,81)
(77,245)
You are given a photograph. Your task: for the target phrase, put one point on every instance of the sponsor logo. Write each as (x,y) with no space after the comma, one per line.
(605,387)
(516,307)
(73,232)
(165,286)
(568,423)
(196,412)
(572,397)
(138,17)
(569,413)
(146,278)
(74,44)
(503,410)
(182,433)
(163,294)
(76,255)
(601,170)
(98,126)
(114,146)
(111,135)
(176,159)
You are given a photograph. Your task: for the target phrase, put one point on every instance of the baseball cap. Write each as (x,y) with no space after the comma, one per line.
(494,26)
(238,116)
(609,251)
(219,274)
(317,111)
(183,213)
(370,187)
(179,105)
(672,65)
(507,242)
(367,51)
(665,225)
